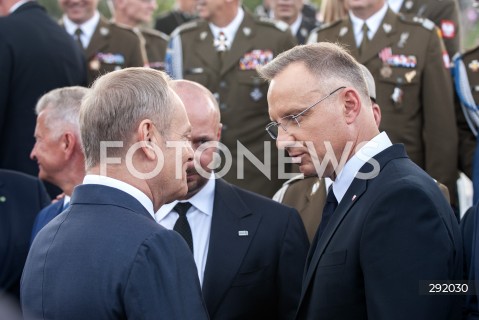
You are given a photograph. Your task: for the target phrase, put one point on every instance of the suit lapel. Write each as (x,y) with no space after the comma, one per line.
(99,40)
(226,248)
(242,43)
(356,190)
(205,49)
(352,196)
(383,38)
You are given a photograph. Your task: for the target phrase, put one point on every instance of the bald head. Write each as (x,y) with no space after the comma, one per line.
(199,101)
(204,115)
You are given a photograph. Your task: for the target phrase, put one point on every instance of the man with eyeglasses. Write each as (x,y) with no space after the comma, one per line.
(386,231)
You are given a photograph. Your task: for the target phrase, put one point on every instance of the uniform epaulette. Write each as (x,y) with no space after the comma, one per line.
(294,179)
(184,27)
(424,22)
(155,33)
(280,25)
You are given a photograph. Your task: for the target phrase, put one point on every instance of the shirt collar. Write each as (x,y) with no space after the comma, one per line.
(352,166)
(296,24)
(395,5)
(231,29)
(203,201)
(123,186)
(373,22)
(16,5)
(88,27)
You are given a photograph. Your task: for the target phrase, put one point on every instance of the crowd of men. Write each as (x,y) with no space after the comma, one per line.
(172,201)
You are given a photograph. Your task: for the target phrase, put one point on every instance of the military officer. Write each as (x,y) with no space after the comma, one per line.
(444,13)
(289,11)
(107,46)
(466,80)
(221,51)
(136,14)
(414,87)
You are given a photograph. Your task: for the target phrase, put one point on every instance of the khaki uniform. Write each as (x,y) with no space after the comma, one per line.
(155,43)
(467,140)
(414,89)
(444,13)
(237,86)
(112,48)
(308,196)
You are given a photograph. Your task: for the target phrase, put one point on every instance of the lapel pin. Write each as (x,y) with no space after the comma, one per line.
(354,198)
(3,198)
(243,233)
(104,31)
(387,27)
(408,5)
(246,31)
(203,35)
(343,31)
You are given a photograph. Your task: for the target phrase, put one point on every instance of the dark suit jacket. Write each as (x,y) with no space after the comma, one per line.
(469,231)
(36,56)
(387,234)
(107,258)
(21,197)
(171,20)
(257,276)
(46,215)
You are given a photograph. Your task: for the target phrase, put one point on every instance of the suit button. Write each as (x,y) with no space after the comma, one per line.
(222,106)
(223,85)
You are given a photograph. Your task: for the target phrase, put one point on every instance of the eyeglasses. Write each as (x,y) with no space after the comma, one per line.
(272,127)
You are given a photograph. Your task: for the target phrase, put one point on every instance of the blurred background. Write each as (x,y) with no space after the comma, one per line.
(469,15)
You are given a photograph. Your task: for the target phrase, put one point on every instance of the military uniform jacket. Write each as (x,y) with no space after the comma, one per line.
(112,48)
(444,13)
(240,91)
(467,140)
(155,46)
(414,89)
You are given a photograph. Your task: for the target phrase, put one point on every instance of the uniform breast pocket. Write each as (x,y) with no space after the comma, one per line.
(251,85)
(399,87)
(197,75)
(250,276)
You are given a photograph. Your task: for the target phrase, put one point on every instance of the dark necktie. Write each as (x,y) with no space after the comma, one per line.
(182,226)
(329,207)
(77,36)
(365,41)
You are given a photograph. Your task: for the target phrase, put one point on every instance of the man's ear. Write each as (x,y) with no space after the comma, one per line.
(148,139)
(352,104)
(68,142)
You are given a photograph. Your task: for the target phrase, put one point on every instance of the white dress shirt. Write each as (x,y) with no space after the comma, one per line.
(87,28)
(296,24)
(373,23)
(123,186)
(230,30)
(351,168)
(199,217)
(395,5)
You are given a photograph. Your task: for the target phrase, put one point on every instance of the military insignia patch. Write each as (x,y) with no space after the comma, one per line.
(343,31)
(448,29)
(104,31)
(255,58)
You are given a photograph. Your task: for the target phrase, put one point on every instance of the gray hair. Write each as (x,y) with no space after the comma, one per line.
(332,65)
(117,103)
(64,106)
